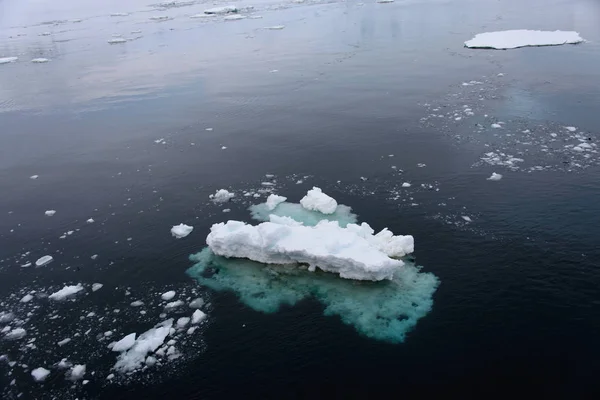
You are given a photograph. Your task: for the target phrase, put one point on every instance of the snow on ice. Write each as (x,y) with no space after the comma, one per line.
(316,200)
(274,200)
(181,231)
(43,261)
(221,196)
(66,292)
(124,344)
(513,39)
(148,342)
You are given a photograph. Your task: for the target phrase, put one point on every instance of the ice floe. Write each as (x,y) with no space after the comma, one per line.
(43,261)
(221,10)
(40,60)
(274,200)
(166,296)
(117,41)
(275,27)
(40,374)
(495,177)
(513,39)
(124,344)
(221,196)
(234,17)
(50,213)
(8,60)
(66,292)
(181,230)
(316,200)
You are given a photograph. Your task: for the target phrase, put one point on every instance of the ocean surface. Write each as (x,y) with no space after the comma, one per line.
(357,98)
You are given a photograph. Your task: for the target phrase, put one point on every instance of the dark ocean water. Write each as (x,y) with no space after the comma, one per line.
(517,305)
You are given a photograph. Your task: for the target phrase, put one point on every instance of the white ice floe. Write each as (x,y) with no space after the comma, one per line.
(183,321)
(66,292)
(352,252)
(159,18)
(16,334)
(125,344)
(385,1)
(120,14)
(63,342)
(197,303)
(77,372)
(40,374)
(50,213)
(496,126)
(7,60)
(174,304)
(40,60)
(274,200)
(96,287)
(276,219)
(181,230)
(275,27)
(43,261)
(90,221)
(27,298)
(221,196)
(221,10)
(198,316)
(148,342)
(406,185)
(570,128)
(495,177)
(34,176)
(513,39)
(117,41)
(137,303)
(234,17)
(466,218)
(168,295)
(316,200)
(201,15)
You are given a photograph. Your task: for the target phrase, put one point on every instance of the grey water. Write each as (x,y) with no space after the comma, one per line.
(356,98)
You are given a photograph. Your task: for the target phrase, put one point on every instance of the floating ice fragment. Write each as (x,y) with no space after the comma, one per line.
(513,39)
(66,292)
(275,27)
(34,176)
(50,213)
(181,231)
(197,317)
(183,321)
(27,298)
(316,200)
(234,17)
(40,60)
(274,200)
(174,304)
(7,60)
(117,41)
(221,10)
(119,14)
(125,344)
(76,373)
(221,196)
(466,218)
(406,185)
(495,177)
(16,334)
(89,221)
(147,342)
(137,303)
(496,126)
(159,18)
(385,1)
(96,287)
(168,295)
(40,374)
(197,303)
(570,128)
(43,261)
(63,342)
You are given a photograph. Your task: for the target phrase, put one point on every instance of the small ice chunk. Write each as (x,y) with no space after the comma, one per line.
(120,14)
(96,287)
(466,218)
(226,210)
(110,376)
(513,39)
(77,372)
(221,196)
(221,10)
(496,126)
(275,27)
(34,176)
(168,295)
(197,317)
(63,342)
(234,17)
(184,321)
(385,1)
(570,128)
(159,18)
(43,261)
(137,303)
(316,200)
(117,41)
(90,221)
(125,344)
(7,60)
(495,177)
(27,298)
(147,342)
(180,231)
(50,213)
(406,185)
(93,257)
(174,304)
(66,292)
(40,60)
(197,303)
(192,330)
(16,334)
(26,265)
(274,200)
(40,374)
(150,361)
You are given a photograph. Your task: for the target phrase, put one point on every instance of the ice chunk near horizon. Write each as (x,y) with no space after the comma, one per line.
(43,261)
(40,60)
(66,292)
(124,344)
(180,231)
(385,310)
(221,10)
(8,60)
(274,200)
(352,252)
(168,295)
(16,334)
(40,374)
(316,200)
(50,213)
(512,39)
(234,17)
(495,177)
(221,196)
(148,342)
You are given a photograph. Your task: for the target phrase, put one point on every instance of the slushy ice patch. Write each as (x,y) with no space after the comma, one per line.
(384,310)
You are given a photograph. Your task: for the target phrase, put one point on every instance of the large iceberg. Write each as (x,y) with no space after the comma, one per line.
(513,39)
(352,252)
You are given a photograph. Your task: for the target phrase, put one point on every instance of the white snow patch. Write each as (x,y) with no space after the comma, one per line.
(352,252)
(316,200)
(495,177)
(125,344)
(40,374)
(181,230)
(274,200)
(513,39)
(43,261)
(221,196)
(66,292)
(50,213)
